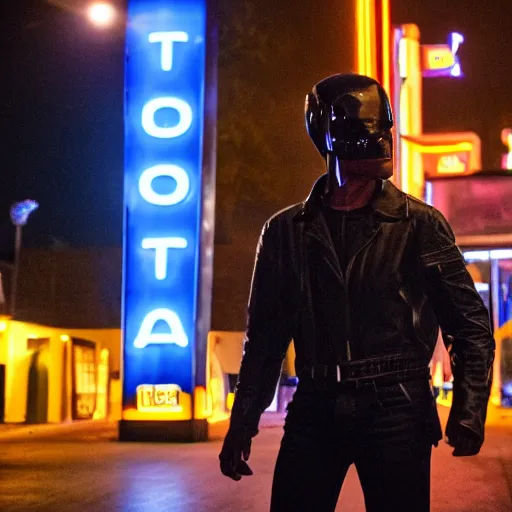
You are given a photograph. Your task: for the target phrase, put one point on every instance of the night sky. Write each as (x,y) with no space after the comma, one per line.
(61,108)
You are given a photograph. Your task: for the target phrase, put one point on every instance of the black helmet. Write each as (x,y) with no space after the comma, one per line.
(349,116)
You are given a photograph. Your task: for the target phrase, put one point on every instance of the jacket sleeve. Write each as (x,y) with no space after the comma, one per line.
(267,336)
(464,320)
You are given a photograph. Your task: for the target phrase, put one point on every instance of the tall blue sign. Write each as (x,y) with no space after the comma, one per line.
(165,213)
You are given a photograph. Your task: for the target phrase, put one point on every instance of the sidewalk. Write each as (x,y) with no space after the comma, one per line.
(20,430)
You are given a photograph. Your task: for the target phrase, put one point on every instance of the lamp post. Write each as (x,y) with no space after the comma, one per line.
(20,213)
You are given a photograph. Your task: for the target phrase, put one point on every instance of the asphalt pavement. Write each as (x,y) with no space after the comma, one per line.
(84,468)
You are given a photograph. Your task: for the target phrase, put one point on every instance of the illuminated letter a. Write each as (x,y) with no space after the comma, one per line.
(176,334)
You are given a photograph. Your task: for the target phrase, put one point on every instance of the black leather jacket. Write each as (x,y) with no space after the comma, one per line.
(405,281)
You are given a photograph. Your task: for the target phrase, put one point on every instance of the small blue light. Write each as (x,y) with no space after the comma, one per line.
(507,389)
(21,211)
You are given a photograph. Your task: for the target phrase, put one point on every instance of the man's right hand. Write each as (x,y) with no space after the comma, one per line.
(234,454)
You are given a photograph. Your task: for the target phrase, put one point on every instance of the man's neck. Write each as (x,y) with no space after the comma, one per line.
(351,195)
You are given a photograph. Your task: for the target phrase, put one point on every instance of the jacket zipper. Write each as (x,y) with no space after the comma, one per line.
(348,323)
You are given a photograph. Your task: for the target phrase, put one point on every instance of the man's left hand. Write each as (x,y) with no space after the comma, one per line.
(465,442)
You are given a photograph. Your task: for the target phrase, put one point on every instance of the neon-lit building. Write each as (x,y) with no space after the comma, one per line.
(445,170)
(52,375)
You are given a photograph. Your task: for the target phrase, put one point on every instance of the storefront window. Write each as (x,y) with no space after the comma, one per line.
(84,370)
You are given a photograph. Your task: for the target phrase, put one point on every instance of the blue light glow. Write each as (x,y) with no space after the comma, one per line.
(21,211)
(496,254)
(455,41)
(164,118)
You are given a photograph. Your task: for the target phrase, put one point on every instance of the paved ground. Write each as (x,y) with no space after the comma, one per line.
(83,468)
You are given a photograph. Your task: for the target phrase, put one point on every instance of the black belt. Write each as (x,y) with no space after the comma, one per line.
(385,370)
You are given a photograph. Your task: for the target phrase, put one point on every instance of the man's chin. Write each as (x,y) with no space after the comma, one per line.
(369,169)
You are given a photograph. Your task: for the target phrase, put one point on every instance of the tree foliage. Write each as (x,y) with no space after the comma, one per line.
(251,107)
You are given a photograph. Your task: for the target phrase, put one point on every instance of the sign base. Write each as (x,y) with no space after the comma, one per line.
(187,431)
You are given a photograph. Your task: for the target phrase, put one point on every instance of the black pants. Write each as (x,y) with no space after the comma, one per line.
(386,431)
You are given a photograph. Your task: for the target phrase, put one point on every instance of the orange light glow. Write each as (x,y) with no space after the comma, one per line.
(506,138)
(361,37)
(386,51)
(366,38)
(370,38)
(202,404)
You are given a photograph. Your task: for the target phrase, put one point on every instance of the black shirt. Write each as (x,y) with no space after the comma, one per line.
(347,230)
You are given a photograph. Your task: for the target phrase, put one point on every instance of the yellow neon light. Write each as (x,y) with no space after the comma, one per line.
(440,148)
(361,37)
(386,55)
(370,35)
(134,415)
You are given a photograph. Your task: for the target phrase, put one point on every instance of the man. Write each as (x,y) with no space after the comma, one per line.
(360,276)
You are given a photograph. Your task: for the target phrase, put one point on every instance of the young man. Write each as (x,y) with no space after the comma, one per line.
(360,276)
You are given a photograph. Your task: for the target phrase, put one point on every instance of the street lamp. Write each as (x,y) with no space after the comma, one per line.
(20,213)
(102,14)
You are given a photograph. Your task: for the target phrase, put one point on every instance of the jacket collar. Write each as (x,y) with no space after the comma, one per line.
(389,202)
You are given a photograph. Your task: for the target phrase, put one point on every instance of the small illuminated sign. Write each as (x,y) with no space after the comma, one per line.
(164,124)
(446,164)
(451,164)
(159,397)
(441,59)
(438,57)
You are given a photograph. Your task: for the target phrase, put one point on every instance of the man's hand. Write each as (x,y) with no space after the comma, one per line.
(465,441)
(234,454)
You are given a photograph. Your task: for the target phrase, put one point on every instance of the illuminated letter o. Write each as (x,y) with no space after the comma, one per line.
(173,171)
(148,117)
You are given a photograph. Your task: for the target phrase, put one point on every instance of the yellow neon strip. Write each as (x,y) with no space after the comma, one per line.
(134,415)
(386,55)
(369,36)
(450,172)
(440,148)
(361,39)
